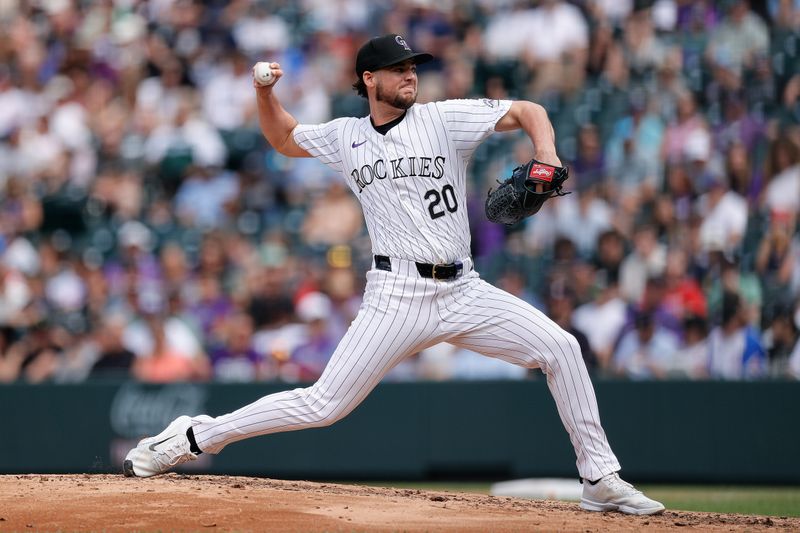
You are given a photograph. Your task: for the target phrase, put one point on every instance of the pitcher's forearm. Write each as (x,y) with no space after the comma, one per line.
(533,120)
(276,123)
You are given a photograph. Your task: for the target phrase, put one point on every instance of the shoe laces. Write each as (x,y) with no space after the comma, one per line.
(174,454)
(617,484)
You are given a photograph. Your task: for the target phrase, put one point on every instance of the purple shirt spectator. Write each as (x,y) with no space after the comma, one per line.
(230,365)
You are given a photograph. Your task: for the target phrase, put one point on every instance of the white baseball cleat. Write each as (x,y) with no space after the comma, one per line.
(158,454)
(611,493)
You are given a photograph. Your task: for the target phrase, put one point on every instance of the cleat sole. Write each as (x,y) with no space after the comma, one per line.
(127,468)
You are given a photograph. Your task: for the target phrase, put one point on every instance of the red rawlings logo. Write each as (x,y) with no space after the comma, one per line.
(542,172)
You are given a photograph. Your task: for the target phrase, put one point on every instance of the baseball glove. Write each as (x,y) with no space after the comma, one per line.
(525,192)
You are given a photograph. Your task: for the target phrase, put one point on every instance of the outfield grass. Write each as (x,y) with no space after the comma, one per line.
(775,501)
(772,501)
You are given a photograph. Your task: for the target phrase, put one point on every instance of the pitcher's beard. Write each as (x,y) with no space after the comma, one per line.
(397,101)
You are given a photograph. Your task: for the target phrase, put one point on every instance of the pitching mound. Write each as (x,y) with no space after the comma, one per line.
(220,503)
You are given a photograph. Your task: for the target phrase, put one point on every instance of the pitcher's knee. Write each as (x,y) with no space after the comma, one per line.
(323,411)
(569,350)
(571,344)
(564,351)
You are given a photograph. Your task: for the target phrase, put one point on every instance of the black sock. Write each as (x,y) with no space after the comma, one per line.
(193,443)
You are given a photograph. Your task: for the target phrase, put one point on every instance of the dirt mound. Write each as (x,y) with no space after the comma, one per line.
(220,503)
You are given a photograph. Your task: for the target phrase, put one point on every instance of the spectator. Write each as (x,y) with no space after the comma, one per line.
(643,46)
(227,98)
(670,84)
(735,351)
(504,36)
(187,134)
(647,351)
(582,218)
(10,359)
(589,166)
(739,39)
(204,198)
(37,354)
(560,308)
(738,125)
(775,258)
(682,192)
(782,193)
(741,176)
(691,360)
(654,302)
(310,356)
(342,286)
(164,364)
(683,295)
(174,268)
(335,203)
(648,259)
(260,33)
(794,361)
(724,215)
(208,310)
(633,148)
(689,126)
(513,282)
(734,279)
(178,334)
(234,359)
(789,112)
(159,98)
(779,340)
(560,60)
(602,319)
(113,360)
(15,296)
(445,361)
(610,252)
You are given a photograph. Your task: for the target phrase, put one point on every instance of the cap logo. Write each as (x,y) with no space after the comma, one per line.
(402,42)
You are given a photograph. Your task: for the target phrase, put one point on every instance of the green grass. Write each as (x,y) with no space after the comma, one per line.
(772,501)
(775,501)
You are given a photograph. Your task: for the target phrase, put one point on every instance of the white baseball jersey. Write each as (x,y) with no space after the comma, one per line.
(411,183)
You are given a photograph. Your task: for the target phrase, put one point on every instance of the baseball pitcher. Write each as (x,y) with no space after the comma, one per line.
(407,165)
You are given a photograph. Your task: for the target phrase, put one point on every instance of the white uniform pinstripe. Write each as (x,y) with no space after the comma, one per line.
(412,186)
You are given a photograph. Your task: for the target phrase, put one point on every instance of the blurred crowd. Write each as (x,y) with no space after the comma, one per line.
(147,230)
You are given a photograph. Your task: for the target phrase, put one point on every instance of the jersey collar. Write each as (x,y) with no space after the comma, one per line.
(383,129)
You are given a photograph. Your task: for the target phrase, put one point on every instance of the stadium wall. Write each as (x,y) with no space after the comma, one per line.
(721,432)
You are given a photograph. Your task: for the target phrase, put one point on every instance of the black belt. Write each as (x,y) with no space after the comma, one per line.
(440,271)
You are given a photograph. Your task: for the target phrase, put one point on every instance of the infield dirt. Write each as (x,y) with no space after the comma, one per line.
(177,502)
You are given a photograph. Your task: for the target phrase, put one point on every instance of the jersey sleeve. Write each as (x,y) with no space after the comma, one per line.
(321,141)
(470,122)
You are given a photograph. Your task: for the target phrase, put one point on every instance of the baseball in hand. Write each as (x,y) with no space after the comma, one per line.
(263,73)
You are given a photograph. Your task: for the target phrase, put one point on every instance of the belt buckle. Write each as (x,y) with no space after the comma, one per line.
(449,276)
(433,272)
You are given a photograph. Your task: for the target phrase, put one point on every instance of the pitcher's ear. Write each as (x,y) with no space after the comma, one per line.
(369,79)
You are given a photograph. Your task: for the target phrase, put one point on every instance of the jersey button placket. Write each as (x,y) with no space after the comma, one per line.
(400,188)
(408,200)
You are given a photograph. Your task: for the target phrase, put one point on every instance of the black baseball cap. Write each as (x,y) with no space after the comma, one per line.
(381,52)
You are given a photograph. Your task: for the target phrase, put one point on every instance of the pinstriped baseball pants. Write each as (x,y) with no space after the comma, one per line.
(402,314)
